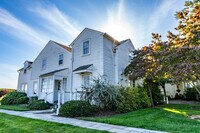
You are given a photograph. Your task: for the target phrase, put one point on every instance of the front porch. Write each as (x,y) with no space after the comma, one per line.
(54,87)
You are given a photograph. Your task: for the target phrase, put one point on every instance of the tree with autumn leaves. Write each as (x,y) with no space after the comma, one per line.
(175,60)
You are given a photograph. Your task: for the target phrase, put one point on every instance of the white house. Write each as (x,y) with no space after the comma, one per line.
(60,71)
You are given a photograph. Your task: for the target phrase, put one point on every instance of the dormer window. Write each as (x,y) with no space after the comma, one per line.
(44,63)
(61,57)
(86,47)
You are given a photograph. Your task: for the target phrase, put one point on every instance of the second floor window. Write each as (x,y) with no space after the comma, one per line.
(44,63)
(60,62)
(86,47)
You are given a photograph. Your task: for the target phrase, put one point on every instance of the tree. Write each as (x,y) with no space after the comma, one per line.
(146,65)
(182,51)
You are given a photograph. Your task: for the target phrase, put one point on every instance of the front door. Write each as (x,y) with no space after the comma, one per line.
(56,89)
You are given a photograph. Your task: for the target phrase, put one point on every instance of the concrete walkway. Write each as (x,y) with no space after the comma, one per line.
(48,116)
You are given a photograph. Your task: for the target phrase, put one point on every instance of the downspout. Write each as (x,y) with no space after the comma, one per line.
(72,73)
(115,65)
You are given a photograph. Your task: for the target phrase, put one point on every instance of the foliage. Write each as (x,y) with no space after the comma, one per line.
(101,93)
(38,105)
(157,97)
(15,98)
(190,94)
(170,118)
(76,108)
(182,52)
(16,124)
(131,99)
(5,91)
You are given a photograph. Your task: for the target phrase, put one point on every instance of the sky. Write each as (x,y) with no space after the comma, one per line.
(27,25)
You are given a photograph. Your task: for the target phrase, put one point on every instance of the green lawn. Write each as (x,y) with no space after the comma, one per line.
(171,118)
(14,107)
(15,124)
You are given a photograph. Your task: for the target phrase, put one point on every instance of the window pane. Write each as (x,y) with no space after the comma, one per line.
(86,47)
(86,80)
(44,85)
(61,59)
(44,62)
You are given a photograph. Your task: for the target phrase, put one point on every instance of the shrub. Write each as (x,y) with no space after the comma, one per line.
(5,91)
(101,94)
(76,108)
(131,99)
(191,94)
(38,105)
(15,98)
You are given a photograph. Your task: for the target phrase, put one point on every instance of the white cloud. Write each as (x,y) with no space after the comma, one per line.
(8,76)
(10,24)
(58,23)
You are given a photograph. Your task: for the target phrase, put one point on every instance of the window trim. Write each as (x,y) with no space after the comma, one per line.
(89,81)
(45,63)
(83,47)
(59,59)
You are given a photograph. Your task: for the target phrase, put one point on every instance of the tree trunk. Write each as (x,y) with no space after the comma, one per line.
(164,89)
(151,97)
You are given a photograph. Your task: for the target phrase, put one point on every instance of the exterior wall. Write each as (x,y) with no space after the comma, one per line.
(108,61)
(123,60)
(24,78)
(95,57)
(51,53)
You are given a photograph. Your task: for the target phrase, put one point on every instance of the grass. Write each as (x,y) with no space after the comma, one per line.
(15,124)
(14,107)
(170,118)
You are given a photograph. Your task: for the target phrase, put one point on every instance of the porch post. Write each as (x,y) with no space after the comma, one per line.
(58,103)
(62,92)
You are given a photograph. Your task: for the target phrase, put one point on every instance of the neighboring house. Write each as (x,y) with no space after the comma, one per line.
(60,71)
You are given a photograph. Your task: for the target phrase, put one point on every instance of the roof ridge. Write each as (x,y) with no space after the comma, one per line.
(63,46)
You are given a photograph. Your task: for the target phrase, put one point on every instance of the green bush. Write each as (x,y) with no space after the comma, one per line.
(12,98)
(131,99)
(191,94)
(76,108)
(101,93)
(38,105)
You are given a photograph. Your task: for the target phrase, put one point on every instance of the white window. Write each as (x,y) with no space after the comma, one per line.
(61,57)
(44,85)
(35,87)
(44,63)
(24,87)
(50,85)
(86,80)
(86,47)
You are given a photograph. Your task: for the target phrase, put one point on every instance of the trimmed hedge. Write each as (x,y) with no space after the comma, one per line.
(76,108)
(12,98)
(39,105)
(132,99)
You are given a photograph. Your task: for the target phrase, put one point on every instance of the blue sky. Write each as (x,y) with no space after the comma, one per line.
(27,25)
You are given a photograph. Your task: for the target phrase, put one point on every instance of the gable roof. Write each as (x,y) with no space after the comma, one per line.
(82,67)
(63,46)
(51,73)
